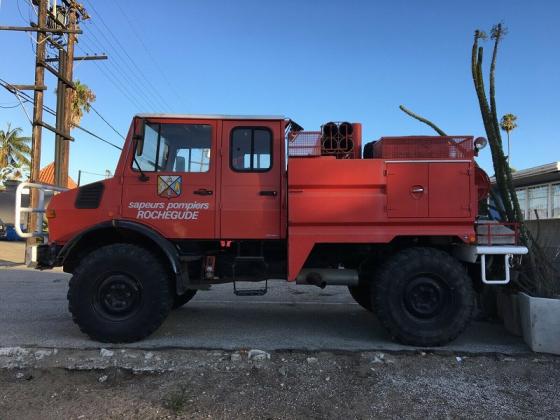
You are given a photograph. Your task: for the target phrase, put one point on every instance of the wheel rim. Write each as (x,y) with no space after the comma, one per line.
(118,296)
(426,296)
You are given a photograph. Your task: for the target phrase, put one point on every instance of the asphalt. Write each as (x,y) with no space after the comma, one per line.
(33,313)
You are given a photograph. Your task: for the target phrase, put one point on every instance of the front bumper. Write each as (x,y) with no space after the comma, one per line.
(472,253)
(41,256)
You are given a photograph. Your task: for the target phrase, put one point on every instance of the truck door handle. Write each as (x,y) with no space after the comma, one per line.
(269,193)
(203,191)
(417,189)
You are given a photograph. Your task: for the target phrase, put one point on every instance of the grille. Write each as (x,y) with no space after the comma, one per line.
(89,196)
(424,147)
(304,143)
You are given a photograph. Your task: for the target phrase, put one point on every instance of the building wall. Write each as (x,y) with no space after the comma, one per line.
(547,234)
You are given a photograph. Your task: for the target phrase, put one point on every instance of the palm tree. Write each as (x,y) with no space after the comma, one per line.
(81,99)
(14,148)
(508,124)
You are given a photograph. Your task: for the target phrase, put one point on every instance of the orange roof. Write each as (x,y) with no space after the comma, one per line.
(46,176)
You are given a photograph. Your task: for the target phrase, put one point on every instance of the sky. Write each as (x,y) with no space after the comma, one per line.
(312,61)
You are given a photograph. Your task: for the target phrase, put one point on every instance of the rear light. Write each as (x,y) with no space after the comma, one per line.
(50,213)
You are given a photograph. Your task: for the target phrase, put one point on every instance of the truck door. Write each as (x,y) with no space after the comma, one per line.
(250,180)
(178,197)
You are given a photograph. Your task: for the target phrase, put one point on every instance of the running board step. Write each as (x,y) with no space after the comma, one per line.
(250,292)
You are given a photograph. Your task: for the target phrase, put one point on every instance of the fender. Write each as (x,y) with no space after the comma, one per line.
(167,247)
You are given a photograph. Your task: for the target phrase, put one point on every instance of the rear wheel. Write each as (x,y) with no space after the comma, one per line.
(423,297)
(119,293)
(362,295)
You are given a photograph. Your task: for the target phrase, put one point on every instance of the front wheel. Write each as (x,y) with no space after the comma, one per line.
(423,297)
(183,299)
(119,293)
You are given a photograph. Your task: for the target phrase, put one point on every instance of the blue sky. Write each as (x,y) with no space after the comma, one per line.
(309,60)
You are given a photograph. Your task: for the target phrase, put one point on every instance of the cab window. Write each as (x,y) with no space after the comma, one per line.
(251,149)
(175,148)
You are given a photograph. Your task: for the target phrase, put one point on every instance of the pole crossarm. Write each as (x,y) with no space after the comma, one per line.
(54,130)
(57,74)
(80,58)
(13,88)
(42,30)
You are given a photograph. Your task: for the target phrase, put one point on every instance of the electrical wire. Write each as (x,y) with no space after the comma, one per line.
(106,122)
(136,90)
(148,52)
(114,78)
(28,99)
(122,67)
(138,69)
(23,107)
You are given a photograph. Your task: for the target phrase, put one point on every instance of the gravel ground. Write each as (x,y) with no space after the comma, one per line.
(49,384)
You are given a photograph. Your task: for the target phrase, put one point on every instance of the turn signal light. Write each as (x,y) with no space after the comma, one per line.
(472,238)
(50,213)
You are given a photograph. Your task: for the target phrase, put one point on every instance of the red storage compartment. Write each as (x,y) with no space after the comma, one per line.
(449,187)
(407,189)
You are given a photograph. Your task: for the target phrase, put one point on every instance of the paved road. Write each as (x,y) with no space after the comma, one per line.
(33,312)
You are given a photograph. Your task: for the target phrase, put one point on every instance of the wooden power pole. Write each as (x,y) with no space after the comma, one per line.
(38,110)
(62,21)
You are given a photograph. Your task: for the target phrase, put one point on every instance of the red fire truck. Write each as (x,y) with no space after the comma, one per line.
(198,200)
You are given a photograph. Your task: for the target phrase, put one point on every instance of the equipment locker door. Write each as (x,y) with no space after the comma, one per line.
(450,189)
(178,198)
(250,195)
(407,189)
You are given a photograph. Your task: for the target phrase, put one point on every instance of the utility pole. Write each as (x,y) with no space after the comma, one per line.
(38,111)
(59,20)
(49,24)
(64,98)
(68,73)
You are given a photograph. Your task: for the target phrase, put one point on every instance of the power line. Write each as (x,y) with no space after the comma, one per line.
(138,89)
(148,52)
(122,67)
(115,82)
(138,69)
(106,122)
(28,99)
(122,87)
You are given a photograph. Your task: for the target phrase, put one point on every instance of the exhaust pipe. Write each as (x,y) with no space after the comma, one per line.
(322,277)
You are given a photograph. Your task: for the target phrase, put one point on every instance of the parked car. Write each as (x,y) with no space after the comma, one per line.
(8,232)
(3,232)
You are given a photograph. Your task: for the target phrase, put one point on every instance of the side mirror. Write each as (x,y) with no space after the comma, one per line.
(138,135)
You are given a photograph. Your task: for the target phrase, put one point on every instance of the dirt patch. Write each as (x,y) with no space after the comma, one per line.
(195,384)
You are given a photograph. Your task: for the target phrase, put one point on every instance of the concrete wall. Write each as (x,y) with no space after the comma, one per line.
(8,202)
(7,205)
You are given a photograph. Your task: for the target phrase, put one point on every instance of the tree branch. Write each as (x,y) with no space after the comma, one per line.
(422,119)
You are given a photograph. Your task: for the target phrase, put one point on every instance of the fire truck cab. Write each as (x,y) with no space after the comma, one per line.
(199,200)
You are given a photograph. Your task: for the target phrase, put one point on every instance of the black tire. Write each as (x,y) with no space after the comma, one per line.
(423,297)
(181,300)
(119,293)
(362,295)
